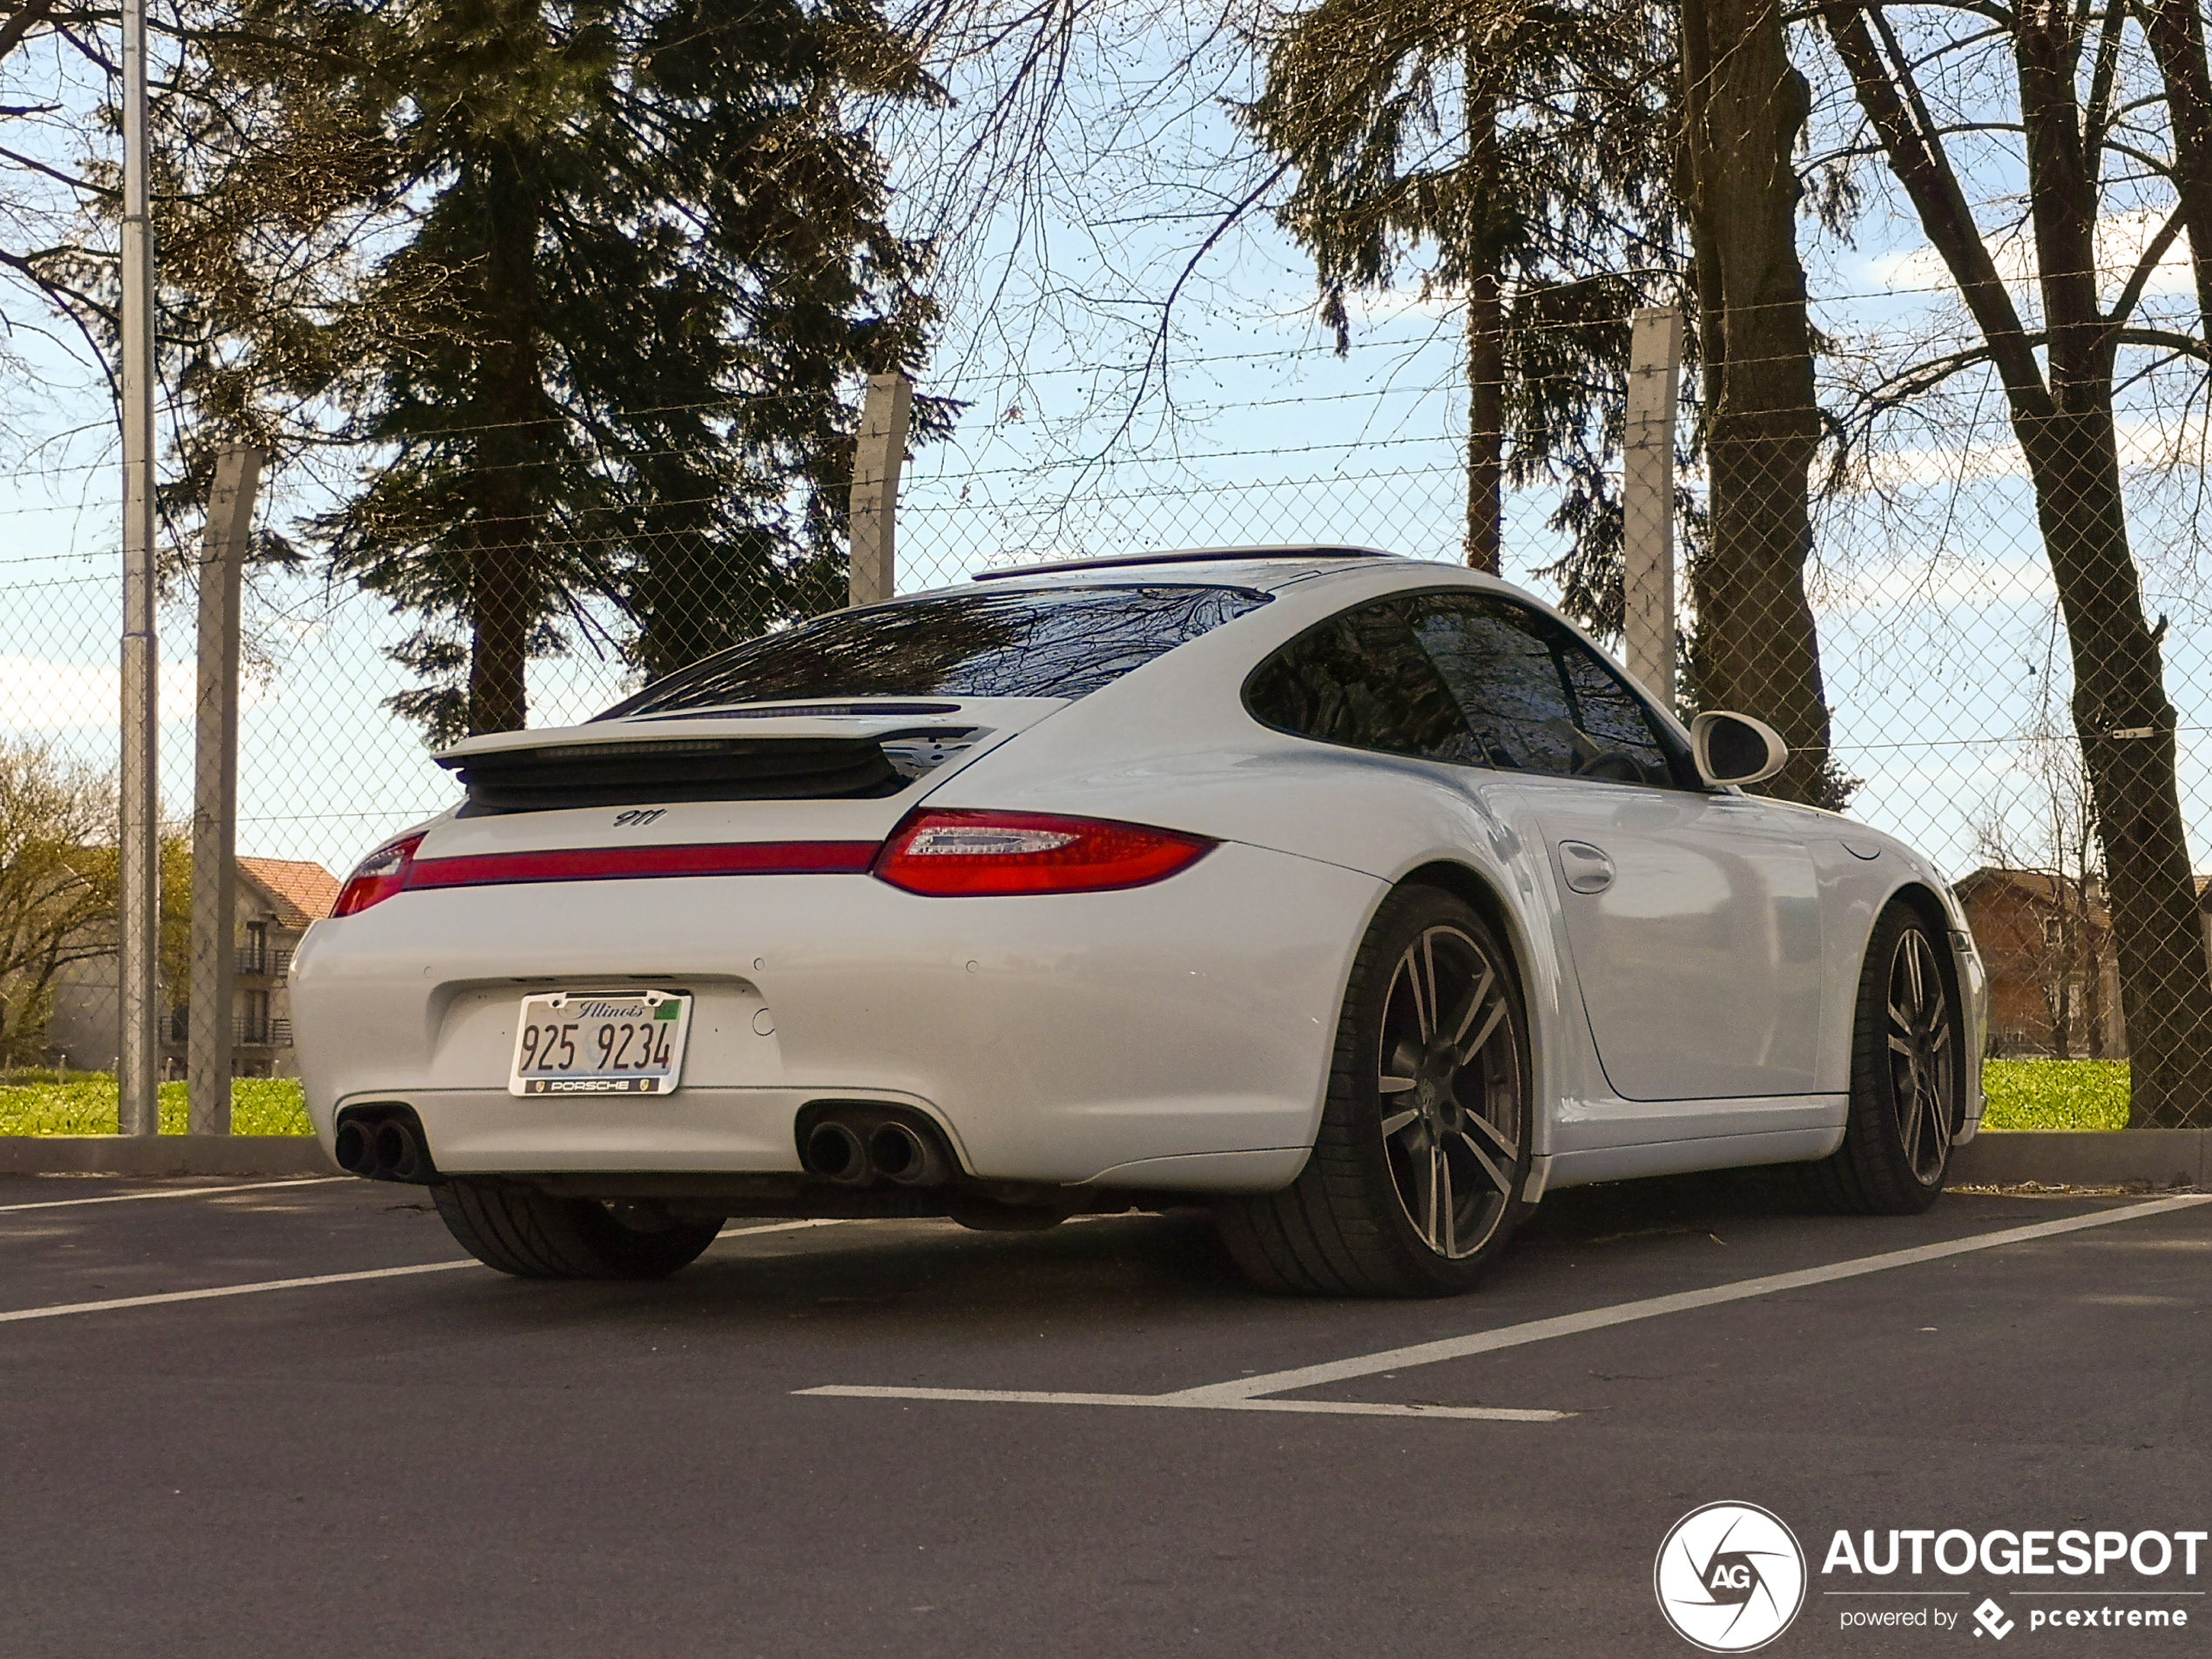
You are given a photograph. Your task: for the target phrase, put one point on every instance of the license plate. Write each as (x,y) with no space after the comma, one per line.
(600,1043)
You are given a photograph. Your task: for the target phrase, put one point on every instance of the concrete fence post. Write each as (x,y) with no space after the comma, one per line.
(214,818)
(1647,499)
(877,458)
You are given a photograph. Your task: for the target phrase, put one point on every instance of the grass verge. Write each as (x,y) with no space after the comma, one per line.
(2055,1093)
(2023,1095)
(39,1102)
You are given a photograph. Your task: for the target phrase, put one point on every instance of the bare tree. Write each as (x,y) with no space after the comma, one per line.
(2066,99)
(2058,852)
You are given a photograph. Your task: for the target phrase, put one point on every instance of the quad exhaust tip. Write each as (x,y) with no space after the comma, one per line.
(861,1144)
(836,1152)
(900,1154)
(384,1145)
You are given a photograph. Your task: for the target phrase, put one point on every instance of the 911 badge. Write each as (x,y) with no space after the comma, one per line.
(1730,1577)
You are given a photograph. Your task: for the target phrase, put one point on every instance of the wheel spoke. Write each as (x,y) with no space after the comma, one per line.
(1475,1006)
(1497,1013)
(1411,967)
(1507,1149)
(1447,1205)
(1942,1039)
(1915,992)
(1899,1045)
(1498,1178)
(1908,1124)
(1939,1118)
(1396,1121)
(1395,1085)
(1428,1198)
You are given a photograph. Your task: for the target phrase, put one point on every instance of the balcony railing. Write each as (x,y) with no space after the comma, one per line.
(245,1033)
(274,963)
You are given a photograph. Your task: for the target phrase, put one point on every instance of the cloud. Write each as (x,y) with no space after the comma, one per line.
(2122,240)
(2153,440)
(1939,584)
(40,696)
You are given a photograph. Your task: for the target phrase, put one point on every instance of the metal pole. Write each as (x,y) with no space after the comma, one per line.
(214,819)
(877,458)
(140,918)
(1647,499)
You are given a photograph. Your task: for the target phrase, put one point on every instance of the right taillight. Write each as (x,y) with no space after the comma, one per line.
(382,873)
(983,854)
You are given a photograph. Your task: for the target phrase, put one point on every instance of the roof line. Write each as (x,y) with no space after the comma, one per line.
(1186,555)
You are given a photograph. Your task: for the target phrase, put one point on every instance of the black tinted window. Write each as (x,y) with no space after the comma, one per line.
(1063,642)
(1538,698)
(1359,679)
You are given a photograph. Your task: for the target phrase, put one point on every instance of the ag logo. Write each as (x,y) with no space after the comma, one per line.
(1730,1577)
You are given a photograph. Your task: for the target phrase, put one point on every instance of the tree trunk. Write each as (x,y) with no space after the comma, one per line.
(2126,727)
(1755,649)
(1486,333)
(509,523)
(1486,424)
(2121,711)
(2175,29)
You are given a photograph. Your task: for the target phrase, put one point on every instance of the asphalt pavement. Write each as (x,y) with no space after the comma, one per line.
(451,1462)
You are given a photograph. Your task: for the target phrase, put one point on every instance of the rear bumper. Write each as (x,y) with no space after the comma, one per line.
(1175,1036)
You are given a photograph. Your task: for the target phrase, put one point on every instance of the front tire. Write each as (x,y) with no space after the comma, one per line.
(530,1234)
(1907,1101)
(1414,1181)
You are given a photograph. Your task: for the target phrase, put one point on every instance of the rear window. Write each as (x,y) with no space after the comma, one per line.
(1061,642)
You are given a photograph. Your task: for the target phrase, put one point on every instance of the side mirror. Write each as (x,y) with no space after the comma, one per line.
(1735,749)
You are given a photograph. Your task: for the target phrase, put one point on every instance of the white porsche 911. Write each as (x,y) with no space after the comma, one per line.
(1360,898)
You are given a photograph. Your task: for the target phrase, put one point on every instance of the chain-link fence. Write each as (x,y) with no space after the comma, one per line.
(1953,636)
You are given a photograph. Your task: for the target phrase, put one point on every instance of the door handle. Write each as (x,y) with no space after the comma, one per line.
(1586,868)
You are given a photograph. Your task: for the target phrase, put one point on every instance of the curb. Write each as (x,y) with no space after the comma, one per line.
(144,1155)
(2161,1157)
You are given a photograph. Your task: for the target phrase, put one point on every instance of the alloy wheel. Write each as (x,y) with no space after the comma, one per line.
(1922,1056)
(1450,1078)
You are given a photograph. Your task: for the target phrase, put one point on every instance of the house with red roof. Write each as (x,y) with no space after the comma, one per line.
(277,899)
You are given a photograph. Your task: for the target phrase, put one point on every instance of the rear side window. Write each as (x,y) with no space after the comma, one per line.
(1359,679)
(1059,642)
(1538,698)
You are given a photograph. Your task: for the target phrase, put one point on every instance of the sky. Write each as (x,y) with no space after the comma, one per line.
(1936,613)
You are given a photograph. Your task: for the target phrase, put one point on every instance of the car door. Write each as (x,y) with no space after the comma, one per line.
(1692,916)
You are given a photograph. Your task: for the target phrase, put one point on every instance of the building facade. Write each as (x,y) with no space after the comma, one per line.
(2053,969)
(276,900)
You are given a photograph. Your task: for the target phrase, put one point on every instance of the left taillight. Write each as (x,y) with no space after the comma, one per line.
(952,854)
(379,875)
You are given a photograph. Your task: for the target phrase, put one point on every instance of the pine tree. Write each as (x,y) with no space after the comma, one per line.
(1524,148)
(621,265)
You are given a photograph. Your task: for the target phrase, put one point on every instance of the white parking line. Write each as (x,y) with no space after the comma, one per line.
(64,1308)
(1179,1402)
(1243,1393)
(1514,1336)
(176,1192)
(214,1292)
(779,1227)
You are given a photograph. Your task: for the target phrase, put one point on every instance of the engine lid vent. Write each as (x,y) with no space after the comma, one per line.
(558,776)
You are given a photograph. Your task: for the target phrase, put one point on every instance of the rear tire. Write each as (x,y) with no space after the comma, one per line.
(1907,1100)
(1416,1173)
(534,1234)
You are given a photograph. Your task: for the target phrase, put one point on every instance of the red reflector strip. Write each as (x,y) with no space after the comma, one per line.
(633,863)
